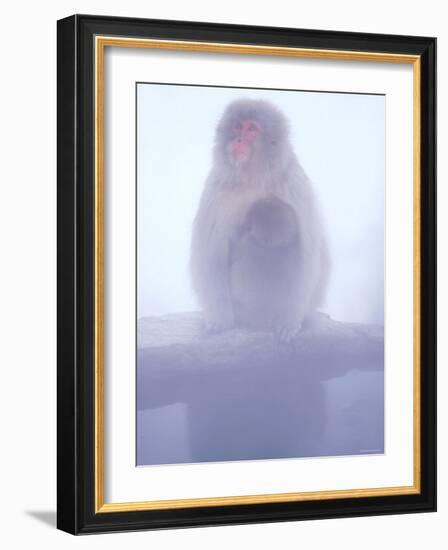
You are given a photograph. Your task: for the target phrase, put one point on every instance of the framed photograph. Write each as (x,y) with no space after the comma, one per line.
(246,274)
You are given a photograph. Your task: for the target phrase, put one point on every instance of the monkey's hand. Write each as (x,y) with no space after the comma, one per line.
(286,333)
(219,321)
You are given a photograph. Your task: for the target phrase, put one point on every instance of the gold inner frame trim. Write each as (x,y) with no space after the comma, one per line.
(101,42)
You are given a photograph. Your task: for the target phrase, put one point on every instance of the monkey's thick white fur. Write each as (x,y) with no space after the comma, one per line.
(230,191)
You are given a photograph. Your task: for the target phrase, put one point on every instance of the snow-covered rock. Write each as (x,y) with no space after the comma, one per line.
(242,394)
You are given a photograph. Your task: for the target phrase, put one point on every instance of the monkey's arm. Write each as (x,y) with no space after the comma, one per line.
(210,266)
(313,256)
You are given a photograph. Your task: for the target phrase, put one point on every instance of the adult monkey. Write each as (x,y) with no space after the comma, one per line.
(253,161)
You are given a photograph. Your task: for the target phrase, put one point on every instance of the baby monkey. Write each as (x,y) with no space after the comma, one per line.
(265,268)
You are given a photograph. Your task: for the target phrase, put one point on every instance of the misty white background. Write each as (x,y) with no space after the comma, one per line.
(340,141)
(28,275)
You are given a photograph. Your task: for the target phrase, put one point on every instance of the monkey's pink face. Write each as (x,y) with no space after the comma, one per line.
(245,134)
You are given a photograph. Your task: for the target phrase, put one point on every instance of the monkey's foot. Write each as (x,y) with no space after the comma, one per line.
(288,333)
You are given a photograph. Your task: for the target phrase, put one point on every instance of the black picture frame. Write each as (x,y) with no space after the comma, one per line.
(76,474)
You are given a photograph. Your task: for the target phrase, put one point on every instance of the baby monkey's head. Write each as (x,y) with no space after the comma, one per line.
(271,223)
